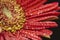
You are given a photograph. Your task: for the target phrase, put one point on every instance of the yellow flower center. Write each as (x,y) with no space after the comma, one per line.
(11,16)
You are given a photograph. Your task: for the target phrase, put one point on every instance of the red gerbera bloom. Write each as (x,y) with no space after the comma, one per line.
(27,19)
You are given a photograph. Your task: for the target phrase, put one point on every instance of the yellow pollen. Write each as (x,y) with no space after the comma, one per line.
(7,12)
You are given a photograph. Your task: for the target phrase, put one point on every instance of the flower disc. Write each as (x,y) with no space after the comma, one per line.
(11,15)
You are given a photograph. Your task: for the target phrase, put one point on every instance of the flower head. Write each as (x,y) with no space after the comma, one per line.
(27,19)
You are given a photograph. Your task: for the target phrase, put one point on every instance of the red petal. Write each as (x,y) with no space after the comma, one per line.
(40,25)
(44,18)
(44,14)
(36,5)
(29,35)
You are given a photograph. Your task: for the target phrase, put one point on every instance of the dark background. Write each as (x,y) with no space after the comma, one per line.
(56,35)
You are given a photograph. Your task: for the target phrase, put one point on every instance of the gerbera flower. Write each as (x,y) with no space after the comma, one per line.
(27,19)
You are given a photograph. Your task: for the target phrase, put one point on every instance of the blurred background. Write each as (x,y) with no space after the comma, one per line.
(56,35)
